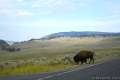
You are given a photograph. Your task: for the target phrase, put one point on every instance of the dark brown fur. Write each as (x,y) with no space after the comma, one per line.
(83,56)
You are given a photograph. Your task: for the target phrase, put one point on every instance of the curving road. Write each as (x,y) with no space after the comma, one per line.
(106,71)
(109,70)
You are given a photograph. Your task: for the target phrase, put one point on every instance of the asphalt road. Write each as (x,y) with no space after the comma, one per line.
(109,70)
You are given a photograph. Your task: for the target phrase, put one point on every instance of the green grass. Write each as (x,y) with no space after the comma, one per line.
(48,56)
(30,69)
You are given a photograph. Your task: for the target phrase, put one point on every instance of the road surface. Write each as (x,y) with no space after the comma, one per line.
(109,70)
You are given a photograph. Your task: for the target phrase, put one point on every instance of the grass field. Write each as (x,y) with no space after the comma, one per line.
(50,55)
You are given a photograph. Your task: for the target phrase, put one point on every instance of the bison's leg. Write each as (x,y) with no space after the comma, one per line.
(85,61)
(81,62)
(91,59)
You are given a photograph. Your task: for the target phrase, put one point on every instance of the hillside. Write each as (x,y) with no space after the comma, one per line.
(62,42)
(39,56)
(3,45)
(7,46)
(80,34)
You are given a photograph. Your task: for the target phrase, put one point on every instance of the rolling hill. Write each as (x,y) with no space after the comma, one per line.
(67,38)
(48,55)
(80,34)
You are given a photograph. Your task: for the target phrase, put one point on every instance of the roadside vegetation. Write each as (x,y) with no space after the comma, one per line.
(39,56)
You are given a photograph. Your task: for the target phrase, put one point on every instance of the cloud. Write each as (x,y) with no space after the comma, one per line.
(60,5)
(11,8)
(4,12)
(41,6)
(52,4)
(20,0)
(6,7)
(23,13)
(113,6)
(115,9)
(7,4)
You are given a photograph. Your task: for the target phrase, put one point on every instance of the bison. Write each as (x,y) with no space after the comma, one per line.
(83,56)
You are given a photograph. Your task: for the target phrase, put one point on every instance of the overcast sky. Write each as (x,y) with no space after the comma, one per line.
(26,19)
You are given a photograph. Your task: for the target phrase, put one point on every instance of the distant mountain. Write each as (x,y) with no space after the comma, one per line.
(80,34)
(10,42)
(7,46)
(3,45)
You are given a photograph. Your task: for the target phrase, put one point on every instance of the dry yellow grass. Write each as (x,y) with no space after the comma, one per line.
(85,40)
(38,53)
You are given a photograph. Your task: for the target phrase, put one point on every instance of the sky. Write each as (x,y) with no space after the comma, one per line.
(25,19)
